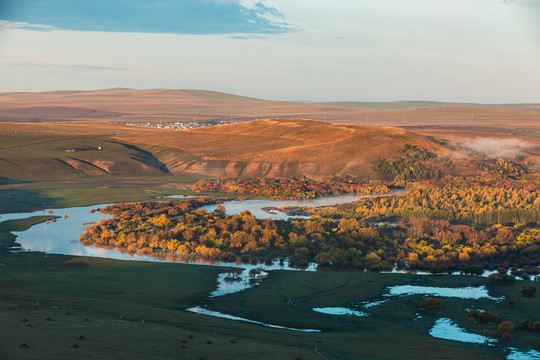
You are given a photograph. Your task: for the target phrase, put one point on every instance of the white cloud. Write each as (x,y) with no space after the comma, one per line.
(22,25)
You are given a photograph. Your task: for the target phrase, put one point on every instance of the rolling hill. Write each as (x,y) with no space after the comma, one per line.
(269,148)
(162,105)
(263,148)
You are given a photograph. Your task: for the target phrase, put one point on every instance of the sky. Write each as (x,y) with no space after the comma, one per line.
(485,51)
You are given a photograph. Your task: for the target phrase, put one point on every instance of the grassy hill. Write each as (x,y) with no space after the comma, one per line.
(82,150)
(60,151)
(262,148)
(279,148)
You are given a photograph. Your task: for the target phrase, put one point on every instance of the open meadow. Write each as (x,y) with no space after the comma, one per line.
(66,306)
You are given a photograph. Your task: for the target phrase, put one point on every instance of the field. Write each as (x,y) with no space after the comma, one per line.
(159,105)
(122,312)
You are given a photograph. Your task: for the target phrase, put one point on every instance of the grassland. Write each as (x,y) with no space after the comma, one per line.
(159,105)
(270,148)
(118,307)
(117,310)
(86,150)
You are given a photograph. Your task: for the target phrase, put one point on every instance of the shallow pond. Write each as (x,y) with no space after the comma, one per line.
(203,311)
(516,354)
(469,292)
(228,283)
(340,311)
(447,329)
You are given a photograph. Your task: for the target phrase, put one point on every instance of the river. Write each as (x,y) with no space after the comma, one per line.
(62,236)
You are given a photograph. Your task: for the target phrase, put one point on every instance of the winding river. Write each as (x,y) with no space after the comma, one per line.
(62,235)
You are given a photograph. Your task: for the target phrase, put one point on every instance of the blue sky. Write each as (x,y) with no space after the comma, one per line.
(365,50)
(164,16)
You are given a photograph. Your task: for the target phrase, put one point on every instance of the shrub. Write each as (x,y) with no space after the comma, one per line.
(430,303)
(512,302)
(473,270)
(536,326)
(501,279)
(472,313)
(495,334)
(525,324)
(486,317)
(506,326)
(506,336)
(528,290)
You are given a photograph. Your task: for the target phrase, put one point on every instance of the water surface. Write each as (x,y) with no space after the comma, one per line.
(340,311)
(449,330)
(202,311)
(255,207)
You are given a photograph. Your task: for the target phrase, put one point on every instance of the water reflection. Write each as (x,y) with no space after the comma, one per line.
(235,281)
(469,292)
(269,209)
(449,330)
(340,311)
(203,311)
(62,235)
(516,354)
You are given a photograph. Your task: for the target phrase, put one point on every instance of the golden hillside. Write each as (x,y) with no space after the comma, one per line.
(279,148)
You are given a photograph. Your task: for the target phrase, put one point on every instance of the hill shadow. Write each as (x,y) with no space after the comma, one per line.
(23,200)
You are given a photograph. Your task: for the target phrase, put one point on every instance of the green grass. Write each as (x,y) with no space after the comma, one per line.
(135,311)
(116,296)
(389,323)
(52,157)
(35,195)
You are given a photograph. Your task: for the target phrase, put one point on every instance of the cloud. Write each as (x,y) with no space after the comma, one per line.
(52,66)
(22,25)
(523,2)
(143,16)
(497,147)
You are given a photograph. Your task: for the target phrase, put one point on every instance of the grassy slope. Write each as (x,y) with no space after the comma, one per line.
(35,169)
(279,148)
(58,151)
(32,152)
